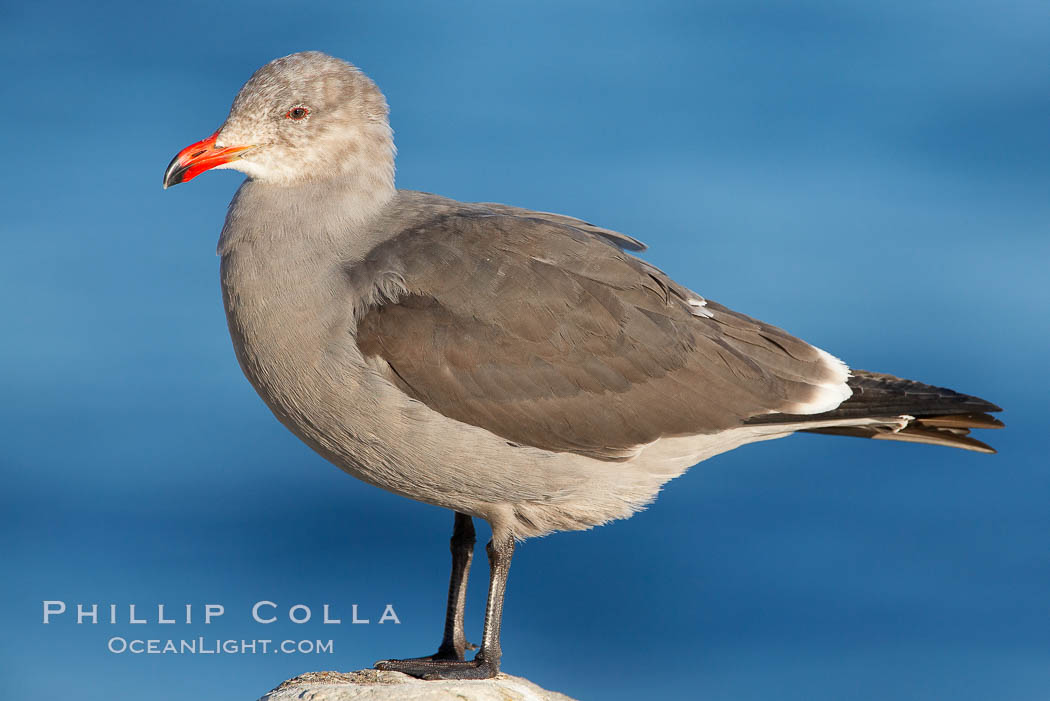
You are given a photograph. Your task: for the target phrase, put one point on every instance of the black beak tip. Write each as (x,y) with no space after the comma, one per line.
(173,173)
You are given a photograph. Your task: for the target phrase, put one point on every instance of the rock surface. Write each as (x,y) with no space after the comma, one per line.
(374,685)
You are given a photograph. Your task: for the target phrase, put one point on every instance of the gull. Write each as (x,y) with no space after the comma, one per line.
(521,367)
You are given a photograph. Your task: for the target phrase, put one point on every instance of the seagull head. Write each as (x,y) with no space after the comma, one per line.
(303,117)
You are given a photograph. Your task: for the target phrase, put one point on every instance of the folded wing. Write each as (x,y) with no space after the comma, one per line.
(545,332)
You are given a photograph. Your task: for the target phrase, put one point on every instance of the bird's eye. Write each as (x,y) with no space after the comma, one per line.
(297,113)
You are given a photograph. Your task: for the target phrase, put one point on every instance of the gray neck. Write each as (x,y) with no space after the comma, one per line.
(312,214)
(283,249)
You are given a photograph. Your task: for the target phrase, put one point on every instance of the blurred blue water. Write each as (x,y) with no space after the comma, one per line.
(872,177)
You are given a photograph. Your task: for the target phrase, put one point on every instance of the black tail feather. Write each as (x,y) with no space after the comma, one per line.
(935,415)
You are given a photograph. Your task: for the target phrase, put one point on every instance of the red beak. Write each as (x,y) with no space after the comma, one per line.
(199,157)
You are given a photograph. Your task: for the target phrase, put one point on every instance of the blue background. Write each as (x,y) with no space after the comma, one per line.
(870,176)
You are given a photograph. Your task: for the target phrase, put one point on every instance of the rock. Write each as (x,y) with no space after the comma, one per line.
(374,685)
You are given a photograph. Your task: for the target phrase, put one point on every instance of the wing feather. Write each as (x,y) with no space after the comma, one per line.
(538,330)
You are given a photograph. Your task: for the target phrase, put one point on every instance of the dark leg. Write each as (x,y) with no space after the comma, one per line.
(485,664)
(454,642)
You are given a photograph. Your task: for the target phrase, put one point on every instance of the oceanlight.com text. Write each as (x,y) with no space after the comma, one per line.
(214,646)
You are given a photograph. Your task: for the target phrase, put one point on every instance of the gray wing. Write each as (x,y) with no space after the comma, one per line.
(541,332)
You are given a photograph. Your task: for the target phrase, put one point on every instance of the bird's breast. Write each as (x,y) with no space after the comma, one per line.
(286,322)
